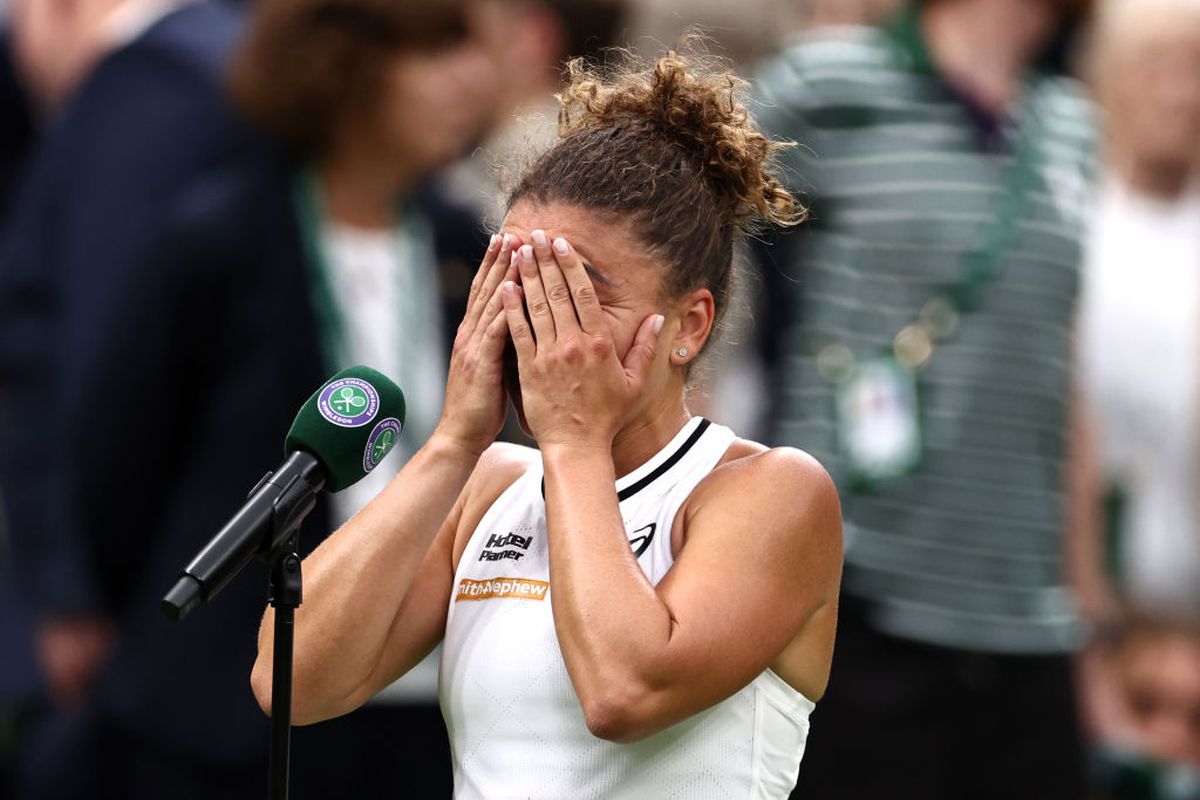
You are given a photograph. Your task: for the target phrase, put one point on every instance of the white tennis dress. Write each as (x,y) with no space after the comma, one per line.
(516,726)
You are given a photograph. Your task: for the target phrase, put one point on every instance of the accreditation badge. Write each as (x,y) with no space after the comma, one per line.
(879,421)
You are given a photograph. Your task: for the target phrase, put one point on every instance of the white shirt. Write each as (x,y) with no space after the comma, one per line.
(1140,353)
(515,723)
(386,289)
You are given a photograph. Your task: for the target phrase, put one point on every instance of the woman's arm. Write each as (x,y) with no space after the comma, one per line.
(376,591)
(763,555)
(357,583)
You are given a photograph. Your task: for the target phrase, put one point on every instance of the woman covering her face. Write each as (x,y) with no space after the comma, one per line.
(645,605)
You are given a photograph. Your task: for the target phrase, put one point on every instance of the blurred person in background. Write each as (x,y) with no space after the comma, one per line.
(1155,752)
(132,95)
(1140,306)
(533,40)
(368,98)
(530,42)
(317,260)
(1139,345)
(923,355)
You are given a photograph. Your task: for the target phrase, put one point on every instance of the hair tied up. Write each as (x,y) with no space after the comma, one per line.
(691,103)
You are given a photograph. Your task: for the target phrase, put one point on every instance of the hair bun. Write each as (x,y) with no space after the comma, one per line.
(697,107)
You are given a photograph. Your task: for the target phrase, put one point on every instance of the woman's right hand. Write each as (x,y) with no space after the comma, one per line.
(475,404)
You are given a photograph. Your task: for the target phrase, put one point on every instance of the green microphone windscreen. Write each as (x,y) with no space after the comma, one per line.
(349,424)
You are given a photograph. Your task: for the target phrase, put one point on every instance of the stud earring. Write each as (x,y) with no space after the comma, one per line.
(683,351)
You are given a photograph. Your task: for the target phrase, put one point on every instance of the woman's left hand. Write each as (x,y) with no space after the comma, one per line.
(575,388)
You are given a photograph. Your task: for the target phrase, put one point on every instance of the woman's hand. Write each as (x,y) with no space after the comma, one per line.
(575,388)
(475,404)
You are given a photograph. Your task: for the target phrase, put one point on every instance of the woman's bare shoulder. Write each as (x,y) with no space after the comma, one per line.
(747,454)
(788,482)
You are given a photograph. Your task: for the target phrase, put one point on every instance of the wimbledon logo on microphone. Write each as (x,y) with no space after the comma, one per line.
(349,402)
(381,441)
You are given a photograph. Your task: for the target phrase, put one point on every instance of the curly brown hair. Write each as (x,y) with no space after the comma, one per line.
(308,65)
(671,148)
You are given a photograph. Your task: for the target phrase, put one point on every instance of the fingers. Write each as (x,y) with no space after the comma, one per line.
(485,264)
(491,272)
(645,347)
(499,268)
(558,293)
(518,326)
(583,292)
(535,295)
(493,308)
(495,335)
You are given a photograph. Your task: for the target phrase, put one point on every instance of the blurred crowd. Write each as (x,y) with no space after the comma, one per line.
(987,331)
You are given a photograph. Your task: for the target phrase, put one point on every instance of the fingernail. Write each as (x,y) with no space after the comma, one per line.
(527,252)
(656,326)
(508,240)
(512,259)
(561,247)
(509,287)
(493,243)
(539,238)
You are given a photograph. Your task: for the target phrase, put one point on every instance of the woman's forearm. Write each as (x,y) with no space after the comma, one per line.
(357,579)
(607,615)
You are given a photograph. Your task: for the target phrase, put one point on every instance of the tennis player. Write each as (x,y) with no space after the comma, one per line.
(645,605)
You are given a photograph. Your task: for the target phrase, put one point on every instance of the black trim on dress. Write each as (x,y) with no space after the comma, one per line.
(661,469)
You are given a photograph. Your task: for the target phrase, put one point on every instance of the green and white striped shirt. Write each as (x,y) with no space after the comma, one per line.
(966,552)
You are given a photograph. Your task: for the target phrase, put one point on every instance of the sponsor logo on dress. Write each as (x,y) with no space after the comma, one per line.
(381,441)
(349,402)
(498,547)
(501,588)
(642,538)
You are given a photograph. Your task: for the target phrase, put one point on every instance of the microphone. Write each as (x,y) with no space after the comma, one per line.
(339,435)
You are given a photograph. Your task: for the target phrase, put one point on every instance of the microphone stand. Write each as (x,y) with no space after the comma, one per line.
(269,527)
(286,593)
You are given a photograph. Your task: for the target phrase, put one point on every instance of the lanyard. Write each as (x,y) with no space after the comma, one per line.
(981,265)
(331,323)
(938,318)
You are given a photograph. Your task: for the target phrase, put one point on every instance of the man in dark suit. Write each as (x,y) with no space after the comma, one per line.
(114,473)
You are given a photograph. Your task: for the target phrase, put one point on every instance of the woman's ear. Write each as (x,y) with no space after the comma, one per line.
(697,311)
